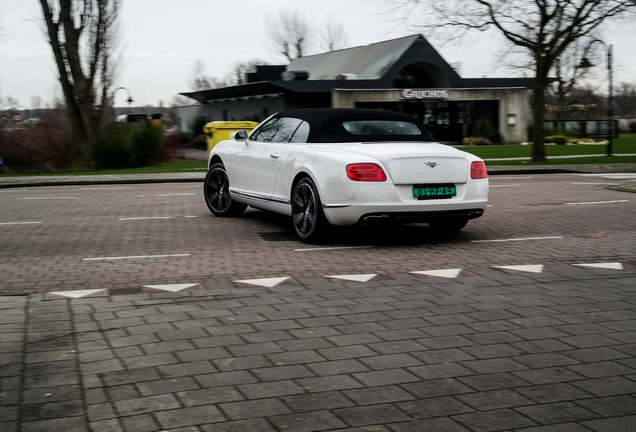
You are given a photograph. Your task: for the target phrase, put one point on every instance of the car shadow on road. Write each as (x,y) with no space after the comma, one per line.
(277,228)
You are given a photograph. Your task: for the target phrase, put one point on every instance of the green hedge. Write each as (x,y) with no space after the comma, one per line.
(124,145)
(556,139)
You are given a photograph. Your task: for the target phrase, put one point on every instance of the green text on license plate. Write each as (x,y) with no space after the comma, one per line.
(434,191)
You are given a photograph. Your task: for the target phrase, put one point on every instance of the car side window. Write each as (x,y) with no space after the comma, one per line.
(301,134)
(280,129)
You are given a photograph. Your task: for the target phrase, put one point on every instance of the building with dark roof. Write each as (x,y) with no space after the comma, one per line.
(406,75)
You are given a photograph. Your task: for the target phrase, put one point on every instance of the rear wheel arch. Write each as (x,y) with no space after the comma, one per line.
(215,159)
(301,175)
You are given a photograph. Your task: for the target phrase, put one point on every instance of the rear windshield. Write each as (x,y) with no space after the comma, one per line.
(368,130)
(381,127)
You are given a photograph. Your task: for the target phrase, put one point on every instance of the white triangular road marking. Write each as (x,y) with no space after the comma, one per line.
(268,282)
(78,293)
(607,265)
(355,278)
(445,273)
(171,287)
(538,268)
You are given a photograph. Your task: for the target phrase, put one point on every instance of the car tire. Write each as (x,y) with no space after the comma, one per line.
(451,225)
(308,218)
(216,190)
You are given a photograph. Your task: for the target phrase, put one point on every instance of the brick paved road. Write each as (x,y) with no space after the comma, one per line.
(486,351)
(60,238)
(541,352)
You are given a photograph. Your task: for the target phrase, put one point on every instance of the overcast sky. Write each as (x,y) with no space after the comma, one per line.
(162,39)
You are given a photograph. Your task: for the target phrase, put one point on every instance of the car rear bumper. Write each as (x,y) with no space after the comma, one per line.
(348,204)
(369,213)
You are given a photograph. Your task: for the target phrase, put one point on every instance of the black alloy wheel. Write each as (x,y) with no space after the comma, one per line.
(216,189)
(307,215)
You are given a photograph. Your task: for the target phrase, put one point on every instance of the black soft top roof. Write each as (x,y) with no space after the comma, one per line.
(325,124)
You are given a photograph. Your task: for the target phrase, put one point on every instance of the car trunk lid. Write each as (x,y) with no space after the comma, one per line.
(415,163)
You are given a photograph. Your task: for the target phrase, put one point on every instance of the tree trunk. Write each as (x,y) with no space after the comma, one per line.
(80,86)
(538,111)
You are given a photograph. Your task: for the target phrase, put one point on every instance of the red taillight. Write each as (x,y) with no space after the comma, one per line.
(366,172)
(478,171)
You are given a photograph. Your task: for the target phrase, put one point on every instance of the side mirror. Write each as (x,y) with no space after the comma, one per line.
(240,135)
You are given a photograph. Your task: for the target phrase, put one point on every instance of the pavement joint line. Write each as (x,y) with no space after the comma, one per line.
(175,194)
(597,202)
(107,188)
(517,239)
(593,183)
(46,198)
(145,218)
(332,248)
(135,257)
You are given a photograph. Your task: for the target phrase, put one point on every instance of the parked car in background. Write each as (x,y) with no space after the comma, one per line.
(343,167)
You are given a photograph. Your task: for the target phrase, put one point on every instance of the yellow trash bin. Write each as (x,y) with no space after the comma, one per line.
(218,131)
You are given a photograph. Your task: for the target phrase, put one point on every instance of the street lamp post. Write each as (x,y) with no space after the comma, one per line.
(129,100)
(585,63)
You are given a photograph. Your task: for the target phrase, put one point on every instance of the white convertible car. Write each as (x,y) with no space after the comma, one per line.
(344,167)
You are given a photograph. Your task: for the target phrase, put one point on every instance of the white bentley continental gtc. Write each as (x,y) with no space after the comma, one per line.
(343,167)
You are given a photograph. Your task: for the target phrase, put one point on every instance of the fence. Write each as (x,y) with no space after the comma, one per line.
(583,128)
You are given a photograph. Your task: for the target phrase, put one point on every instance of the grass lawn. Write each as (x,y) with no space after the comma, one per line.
(624,144)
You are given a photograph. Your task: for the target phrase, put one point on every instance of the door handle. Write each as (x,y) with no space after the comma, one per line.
(274,155)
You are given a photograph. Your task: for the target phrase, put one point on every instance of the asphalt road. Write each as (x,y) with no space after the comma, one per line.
(122,237)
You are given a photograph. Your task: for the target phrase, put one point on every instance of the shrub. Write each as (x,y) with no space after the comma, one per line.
(145,146)
(199,142)
(46,147)
(126,145)
(632,127)
(556,139)
(484,129)
(110,146)
(173,145)
(197,125)
(474,141)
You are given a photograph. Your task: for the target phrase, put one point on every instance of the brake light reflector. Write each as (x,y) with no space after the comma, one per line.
(366,172)
(478,171)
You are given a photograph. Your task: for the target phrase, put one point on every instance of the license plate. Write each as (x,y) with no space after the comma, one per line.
(434,191)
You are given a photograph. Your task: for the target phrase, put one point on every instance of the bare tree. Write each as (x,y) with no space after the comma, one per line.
(290,34)
(178,100)
(82,35)
(200,81)
(11,102)
(334,36)
(544,29)
(625,99)
(237,75)
(567,74)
